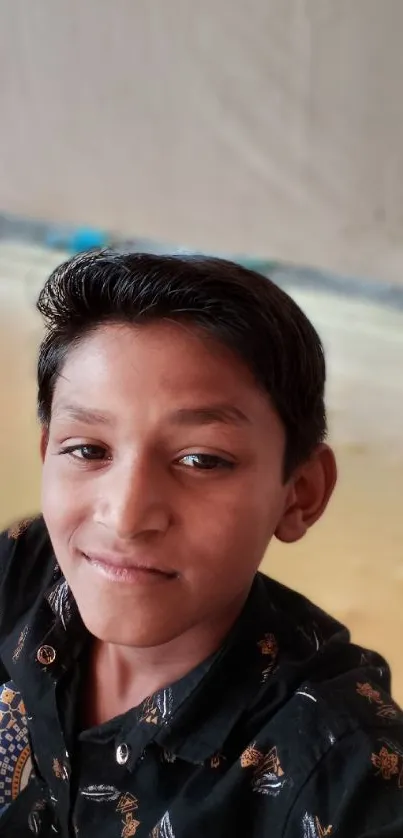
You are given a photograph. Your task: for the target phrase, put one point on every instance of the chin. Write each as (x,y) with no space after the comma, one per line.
(127,615)
(138,632)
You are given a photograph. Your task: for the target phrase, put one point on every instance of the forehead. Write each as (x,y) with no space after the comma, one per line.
(163,363)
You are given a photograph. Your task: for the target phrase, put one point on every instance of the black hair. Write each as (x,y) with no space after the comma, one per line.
(244,310)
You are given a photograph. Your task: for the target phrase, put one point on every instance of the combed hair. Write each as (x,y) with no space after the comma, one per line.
(242,309)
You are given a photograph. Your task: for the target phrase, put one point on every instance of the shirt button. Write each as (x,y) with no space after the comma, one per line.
(122,753)
(46,655)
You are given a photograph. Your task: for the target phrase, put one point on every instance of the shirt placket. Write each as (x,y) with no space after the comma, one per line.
(48,657)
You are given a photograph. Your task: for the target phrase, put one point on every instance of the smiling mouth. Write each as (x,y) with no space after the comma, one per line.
(116,570)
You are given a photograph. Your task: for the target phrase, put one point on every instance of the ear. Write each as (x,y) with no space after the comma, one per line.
(309,493)
(43,444)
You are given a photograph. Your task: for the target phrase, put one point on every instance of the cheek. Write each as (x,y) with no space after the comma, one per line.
(62,503)
(230,533)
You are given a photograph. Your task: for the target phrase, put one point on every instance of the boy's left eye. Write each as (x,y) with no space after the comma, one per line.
(205,462)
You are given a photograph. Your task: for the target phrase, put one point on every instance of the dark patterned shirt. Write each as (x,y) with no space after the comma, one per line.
(287,731)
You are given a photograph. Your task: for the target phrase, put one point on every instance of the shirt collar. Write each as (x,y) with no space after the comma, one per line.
(193,719)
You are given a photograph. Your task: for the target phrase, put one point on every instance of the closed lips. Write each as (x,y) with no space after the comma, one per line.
(122,563)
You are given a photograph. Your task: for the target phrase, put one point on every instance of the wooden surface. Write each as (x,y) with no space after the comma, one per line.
(352,562)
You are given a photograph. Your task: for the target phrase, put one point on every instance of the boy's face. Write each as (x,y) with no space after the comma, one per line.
(162,482)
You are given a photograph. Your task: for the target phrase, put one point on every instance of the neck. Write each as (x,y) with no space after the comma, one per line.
(121,677)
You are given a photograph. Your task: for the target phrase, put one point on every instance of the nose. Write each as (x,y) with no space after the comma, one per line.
(133,500)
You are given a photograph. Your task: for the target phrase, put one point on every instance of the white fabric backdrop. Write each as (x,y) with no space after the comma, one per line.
(273,126)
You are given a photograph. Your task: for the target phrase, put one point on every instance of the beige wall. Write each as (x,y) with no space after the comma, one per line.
(273,126)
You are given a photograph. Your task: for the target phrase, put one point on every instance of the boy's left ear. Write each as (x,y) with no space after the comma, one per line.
(310,490)
(43,444)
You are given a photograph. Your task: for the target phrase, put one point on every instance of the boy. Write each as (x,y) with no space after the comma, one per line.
(158,684)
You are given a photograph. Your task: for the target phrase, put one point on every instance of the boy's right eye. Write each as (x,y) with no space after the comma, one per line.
(85,452)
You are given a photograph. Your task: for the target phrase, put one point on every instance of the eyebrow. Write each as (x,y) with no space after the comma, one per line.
(209,414)
(226,414)
(84,414)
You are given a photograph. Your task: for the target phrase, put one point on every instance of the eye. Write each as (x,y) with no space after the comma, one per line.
(205,462)
(86,452)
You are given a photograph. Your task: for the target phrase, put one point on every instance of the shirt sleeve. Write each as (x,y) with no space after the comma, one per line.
(356,791)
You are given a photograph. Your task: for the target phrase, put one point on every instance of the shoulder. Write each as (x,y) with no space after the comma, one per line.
(338,747)
(26,565)
(25,531)
(26,539)
(334,690)
(331,770)
(334,744)
(354,782)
